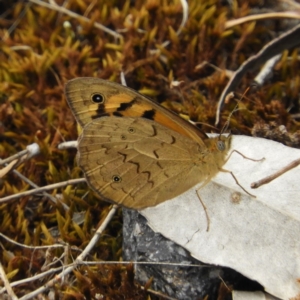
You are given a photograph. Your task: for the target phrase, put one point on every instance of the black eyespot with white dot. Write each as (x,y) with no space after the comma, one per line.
(116,178)
(97,98)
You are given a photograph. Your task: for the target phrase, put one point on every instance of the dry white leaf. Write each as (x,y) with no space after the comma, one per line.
(258,237)
(241,295)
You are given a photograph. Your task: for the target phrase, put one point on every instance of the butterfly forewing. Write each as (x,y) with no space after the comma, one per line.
(113,99)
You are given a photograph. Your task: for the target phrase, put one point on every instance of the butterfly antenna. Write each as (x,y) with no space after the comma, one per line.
(226,125)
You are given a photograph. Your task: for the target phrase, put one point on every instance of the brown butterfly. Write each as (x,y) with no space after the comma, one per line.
(134,152)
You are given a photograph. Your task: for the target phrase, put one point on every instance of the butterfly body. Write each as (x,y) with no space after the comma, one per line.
(136,153)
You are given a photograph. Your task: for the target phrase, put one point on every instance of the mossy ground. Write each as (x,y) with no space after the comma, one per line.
(40,51)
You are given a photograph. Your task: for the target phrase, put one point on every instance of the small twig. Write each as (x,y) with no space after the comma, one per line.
(50,262)
(285,41)
(42,189)
(13,157)
(33,278)
(15,160)
(146,263)
(7,285)
(94,263)
(76,16)
(79,258)
(293,164)
(30,151)
(30,247)
(31,183)
(251,18)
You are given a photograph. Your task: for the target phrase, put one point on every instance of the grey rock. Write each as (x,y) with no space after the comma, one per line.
(141,244)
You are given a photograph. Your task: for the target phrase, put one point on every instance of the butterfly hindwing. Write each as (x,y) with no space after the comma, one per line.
(136,162)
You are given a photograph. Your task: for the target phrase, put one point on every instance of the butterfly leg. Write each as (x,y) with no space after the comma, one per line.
(205,209)
(237,182)
(269,178)
(202,203)
(244,156)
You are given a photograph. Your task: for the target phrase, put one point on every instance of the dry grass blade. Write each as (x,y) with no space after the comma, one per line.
(8,168)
